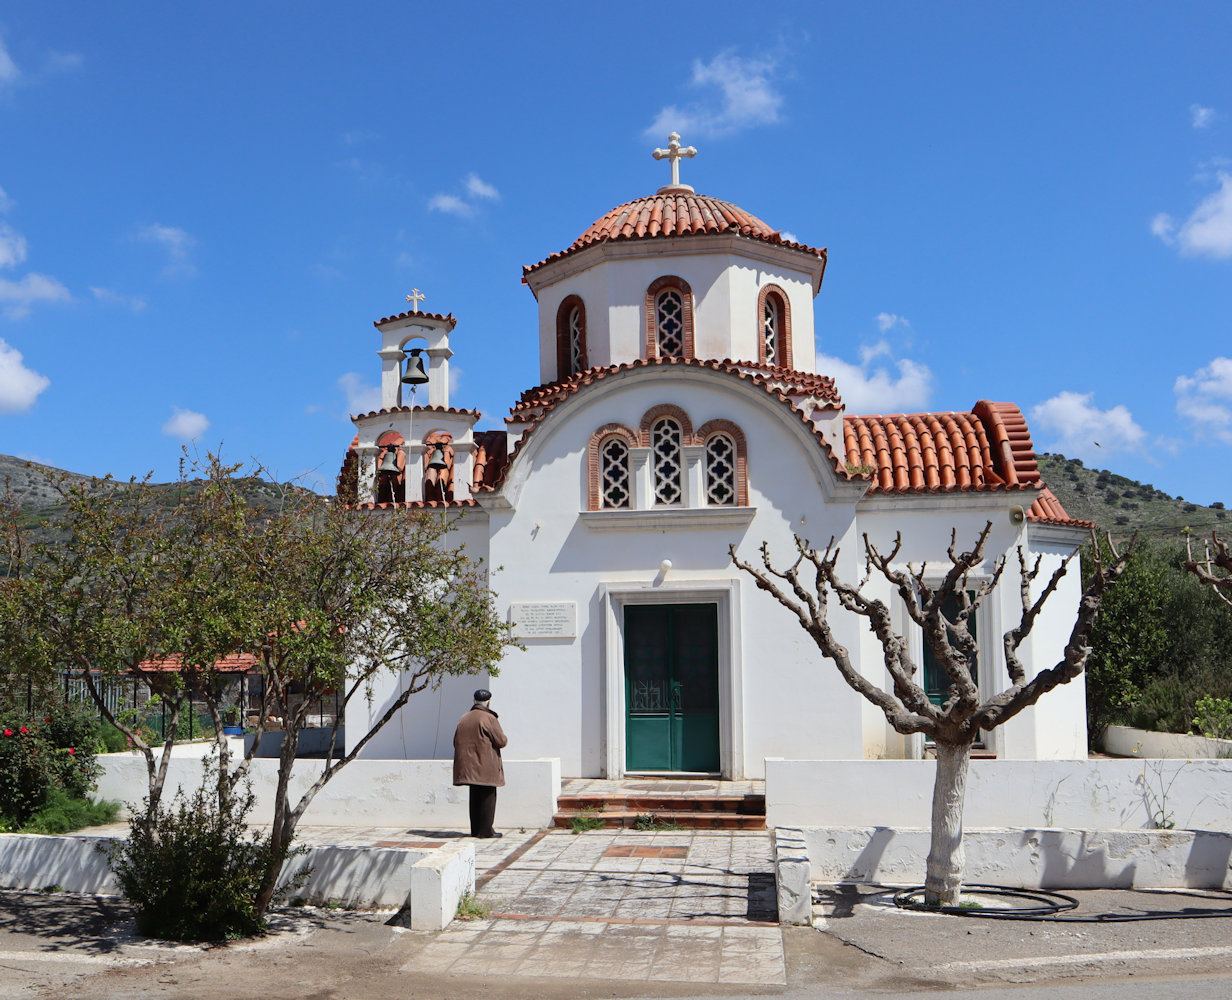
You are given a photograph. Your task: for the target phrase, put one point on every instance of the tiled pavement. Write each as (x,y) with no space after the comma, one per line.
(677,906)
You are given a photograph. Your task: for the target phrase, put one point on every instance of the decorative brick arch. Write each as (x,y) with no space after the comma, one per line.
(438,485)
(686,297)
(594,471)
(564,367)
(733,431)
(784,355)
(391,488)
(665,410)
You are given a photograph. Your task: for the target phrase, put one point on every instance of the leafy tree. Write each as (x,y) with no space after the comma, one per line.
(942,611)
(326,598)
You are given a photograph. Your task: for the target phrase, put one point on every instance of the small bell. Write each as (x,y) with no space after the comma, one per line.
(416,374)
(389,462)
(437,461)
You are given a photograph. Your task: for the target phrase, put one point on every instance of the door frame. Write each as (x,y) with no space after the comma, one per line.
(724,593)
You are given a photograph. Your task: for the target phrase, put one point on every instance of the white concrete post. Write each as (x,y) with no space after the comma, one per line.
(414,471)
(391,377)
(438,375)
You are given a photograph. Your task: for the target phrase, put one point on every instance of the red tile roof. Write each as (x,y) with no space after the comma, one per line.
(413,505)
(675,213)
(232,663)
(448,318)
(987,449)
(418,409)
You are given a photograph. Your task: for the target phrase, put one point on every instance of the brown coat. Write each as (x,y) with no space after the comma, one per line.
(477,746)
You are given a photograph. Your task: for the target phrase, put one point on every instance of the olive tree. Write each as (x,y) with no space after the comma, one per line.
(944,611)
(1214,567)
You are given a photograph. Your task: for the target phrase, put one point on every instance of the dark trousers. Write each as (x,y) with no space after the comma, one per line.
(483,810)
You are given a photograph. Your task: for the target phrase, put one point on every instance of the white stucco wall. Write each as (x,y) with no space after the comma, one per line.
(725,289)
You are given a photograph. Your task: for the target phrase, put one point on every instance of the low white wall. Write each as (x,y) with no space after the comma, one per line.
(405,793)
(1072,794)
(428,882)
(1125,741)
(1037,858)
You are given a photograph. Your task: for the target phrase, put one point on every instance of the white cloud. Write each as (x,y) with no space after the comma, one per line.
(9,73)
(19,296)
(361,397)
(5,201)
(134,302)
(175,241)
(1205,398)
(888,321)
(789,236)
(12,246)
(746,97)
(186,424)
(19,385)
(478,188)
(901,386)
(451,204)
(1208,231)
(1202,117)
(1080,430)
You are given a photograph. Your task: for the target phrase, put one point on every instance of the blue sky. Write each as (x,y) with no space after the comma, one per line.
(205,207)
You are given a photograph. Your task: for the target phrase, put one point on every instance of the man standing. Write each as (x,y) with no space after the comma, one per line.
(477,746)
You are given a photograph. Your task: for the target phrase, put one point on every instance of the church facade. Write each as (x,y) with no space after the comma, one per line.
(680,413)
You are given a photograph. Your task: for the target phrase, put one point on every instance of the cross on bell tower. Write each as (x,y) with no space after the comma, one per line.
(674,154)
(415,298)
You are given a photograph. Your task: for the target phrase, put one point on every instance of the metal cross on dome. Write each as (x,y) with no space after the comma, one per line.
(675,153)
(415,298)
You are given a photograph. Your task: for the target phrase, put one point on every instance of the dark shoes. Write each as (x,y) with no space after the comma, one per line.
(487,836)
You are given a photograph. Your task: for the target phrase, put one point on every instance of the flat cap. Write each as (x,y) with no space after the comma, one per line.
(483,694)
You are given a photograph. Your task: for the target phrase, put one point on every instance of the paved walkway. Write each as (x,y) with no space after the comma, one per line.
(680,906)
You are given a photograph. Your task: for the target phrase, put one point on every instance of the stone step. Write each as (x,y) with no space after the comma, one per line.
(751,805)
(681,819)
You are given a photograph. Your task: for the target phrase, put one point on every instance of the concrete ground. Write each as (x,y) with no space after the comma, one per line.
(608,913)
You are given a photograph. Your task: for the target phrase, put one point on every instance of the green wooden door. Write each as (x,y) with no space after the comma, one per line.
(672,687)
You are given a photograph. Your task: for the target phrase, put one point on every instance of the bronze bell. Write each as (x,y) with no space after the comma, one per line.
(437,461)
(389,462)
(416,374)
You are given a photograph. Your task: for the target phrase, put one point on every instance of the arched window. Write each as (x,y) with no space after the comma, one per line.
(609,477)
(774,327)
(571,355)
(615,492)
(727,481)
(720,471)
(666,462)
(669,319)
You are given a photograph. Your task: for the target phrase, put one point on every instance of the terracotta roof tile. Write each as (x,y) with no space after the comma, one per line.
(417,409)
(232,663)
(675,213)
(449,318)
(413,505)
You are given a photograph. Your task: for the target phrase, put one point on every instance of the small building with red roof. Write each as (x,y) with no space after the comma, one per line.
(681,412)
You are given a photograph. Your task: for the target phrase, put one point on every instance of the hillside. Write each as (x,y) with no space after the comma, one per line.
(1114,502)
(1123,505)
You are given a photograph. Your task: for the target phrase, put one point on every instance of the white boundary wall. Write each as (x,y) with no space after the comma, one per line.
(406,793)
(1125,741)
(1072,794)
(428,882)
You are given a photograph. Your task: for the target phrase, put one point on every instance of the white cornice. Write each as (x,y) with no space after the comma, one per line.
(668,518)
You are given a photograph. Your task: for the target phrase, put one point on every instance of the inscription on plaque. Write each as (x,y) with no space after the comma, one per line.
(549,620)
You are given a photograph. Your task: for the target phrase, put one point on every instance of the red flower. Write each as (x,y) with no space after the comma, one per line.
(24,729)
(72,750)
(8,732)
(48,719)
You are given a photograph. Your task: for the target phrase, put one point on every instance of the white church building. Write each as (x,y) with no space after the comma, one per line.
(680,412)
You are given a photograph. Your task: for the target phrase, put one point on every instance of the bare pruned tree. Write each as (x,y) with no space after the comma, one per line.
(944,611)
(1214,568)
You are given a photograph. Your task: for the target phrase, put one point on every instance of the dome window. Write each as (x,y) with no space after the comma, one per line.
(571,338)
(774,335)
(669,319)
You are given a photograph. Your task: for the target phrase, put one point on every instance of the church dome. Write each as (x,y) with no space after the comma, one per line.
(675,212)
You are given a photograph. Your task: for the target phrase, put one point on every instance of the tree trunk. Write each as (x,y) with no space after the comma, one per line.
(945,855)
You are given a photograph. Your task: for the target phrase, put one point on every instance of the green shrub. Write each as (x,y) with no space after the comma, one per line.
(62,813)
(1213,717)
(40,755)
(190,869)
(25,774)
